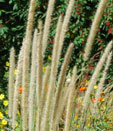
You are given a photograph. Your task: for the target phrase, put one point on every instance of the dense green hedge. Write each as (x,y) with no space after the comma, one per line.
(13,14)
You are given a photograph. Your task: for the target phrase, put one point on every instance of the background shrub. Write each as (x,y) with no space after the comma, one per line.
(13,15)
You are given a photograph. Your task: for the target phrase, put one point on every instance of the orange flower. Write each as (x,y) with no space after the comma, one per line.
(111,124)
(93,100)
(20,90)
(100,99)
(82,88)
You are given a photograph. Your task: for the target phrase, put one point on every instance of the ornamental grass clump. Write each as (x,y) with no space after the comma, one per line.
(39,75)
(32,80)
(17,85)
(70,103)
(94,28)
(49,100)
(11,81)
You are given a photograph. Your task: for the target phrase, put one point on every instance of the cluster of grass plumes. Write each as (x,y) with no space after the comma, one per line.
(45,100)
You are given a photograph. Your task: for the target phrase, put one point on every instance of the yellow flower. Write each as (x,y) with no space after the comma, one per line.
(7,63)
(6,112)
(4,122)
(75,118)
(2,96)
(77,126)
(89,118)
(1,115)
(49,57)
(95,87)
(44,68)
(88,124)
(15,72)
(5,103)
(18,112)
(16,124)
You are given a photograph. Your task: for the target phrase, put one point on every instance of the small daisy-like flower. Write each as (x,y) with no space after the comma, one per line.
(6,112)
(100,99)
(18,113)
(93,100)
(20,90)
(83,88)
(1,115)
(2,96)
(5,103)
(15,72)
(77,126)
(16,124)
(7,63)
(88,124)
(49,57)
(75,117)
(44,68)
(4,122)
(111,125)
(95,87)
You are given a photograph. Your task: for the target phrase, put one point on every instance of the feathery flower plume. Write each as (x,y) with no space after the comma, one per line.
(27,43)
(55,57)
(94,28)
(32,80)
(39,74)
(65,24)
(17,85)
(70,100)
(44,94)
(47,23)
(61,82)
(61,105)
(11,81)
(44,86)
